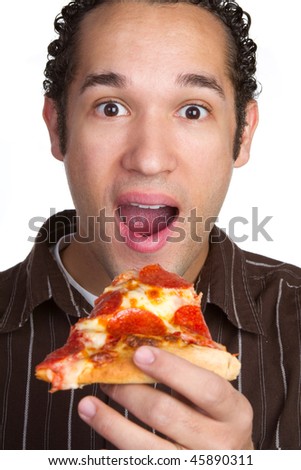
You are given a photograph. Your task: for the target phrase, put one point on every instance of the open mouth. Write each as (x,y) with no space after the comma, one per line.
(147,220)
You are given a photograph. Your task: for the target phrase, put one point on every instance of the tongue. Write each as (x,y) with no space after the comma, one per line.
(147,221)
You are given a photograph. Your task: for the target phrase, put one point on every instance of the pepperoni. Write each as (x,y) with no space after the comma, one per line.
(191,318)
(136,321)
(107,304)
(75,344)
(155,275)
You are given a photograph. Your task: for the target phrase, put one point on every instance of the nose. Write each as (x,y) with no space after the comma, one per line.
(151,147)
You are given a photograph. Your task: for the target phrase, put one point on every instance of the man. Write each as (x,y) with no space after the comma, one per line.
(150,105)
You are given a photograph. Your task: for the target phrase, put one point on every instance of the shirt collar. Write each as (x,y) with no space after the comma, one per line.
(224,282)
(38,278)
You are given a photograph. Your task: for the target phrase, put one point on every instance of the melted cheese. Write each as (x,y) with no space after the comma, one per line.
(69,374)
(161,301)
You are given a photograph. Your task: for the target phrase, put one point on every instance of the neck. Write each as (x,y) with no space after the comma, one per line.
(82,266)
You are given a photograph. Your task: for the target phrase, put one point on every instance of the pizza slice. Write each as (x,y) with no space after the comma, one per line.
(150,306)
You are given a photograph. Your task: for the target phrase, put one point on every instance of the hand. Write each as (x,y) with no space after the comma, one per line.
(206,413)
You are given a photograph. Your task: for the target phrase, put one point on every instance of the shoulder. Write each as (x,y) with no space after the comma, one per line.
(276,289)
(268,269)
(13,299)
(11,281)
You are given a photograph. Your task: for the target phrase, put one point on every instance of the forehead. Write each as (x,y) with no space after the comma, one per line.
(131,35)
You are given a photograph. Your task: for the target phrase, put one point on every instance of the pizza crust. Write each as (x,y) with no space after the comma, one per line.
(122,370)
(219,361)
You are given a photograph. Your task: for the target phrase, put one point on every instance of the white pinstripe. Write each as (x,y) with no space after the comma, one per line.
(282,368)
(12,298)
(70,420)
(265,265)
(71,296)
(298,303)
(7,385)
(27,393)
(239,339)
(49,395)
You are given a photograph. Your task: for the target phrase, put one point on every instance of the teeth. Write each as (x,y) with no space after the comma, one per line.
(143,206)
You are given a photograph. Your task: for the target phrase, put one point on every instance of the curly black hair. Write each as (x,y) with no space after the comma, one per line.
(61,65)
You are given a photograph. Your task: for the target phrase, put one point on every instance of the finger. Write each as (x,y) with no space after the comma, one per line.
(172,418)
(205,389)
(122,433)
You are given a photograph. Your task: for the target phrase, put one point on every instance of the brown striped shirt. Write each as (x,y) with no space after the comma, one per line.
(252,304)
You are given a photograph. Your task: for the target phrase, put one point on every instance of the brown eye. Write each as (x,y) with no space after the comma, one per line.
(192,111)
(111,109)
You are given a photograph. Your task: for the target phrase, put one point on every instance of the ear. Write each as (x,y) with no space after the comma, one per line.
(51,119)
(252,118)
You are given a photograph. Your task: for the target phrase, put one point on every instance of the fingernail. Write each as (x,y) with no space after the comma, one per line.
(87,408)
(144,356)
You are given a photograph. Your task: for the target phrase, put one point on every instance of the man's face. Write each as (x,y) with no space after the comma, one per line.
(151,126)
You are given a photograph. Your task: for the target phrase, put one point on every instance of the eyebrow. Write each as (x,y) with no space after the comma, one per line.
(202,81)
(115,80)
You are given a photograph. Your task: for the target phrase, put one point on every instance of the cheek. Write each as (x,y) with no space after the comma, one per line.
(84,175)
(91,158)
(208,157)
(207,171)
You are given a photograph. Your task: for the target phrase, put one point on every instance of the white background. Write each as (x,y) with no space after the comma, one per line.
(32,181)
